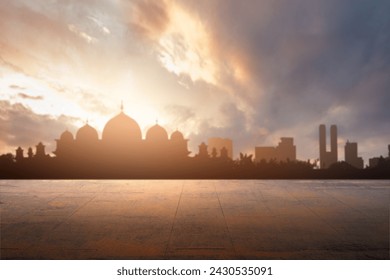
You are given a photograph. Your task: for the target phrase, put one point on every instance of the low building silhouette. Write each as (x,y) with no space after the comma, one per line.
(373,162)
(285,151)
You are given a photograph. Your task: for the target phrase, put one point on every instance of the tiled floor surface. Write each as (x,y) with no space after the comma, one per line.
(194,219)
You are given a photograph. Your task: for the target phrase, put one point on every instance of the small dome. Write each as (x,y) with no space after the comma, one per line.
(177,135)
(156,133)
(66,136)
(121,128)
(87,133)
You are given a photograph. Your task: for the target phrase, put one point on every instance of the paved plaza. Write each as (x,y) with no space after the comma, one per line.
(194,219)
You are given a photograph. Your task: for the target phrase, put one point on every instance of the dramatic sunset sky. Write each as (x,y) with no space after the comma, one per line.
(252,71)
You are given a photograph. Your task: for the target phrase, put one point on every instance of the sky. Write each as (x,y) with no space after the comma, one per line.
(252,71)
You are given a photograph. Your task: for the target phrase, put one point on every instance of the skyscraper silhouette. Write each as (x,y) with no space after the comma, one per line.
(351,155)
(328,158)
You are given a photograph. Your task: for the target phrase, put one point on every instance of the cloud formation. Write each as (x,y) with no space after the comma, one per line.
(19,126)
(27,96)
(253,71)
(311,62)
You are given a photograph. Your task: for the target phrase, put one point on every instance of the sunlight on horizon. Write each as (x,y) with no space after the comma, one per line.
(38,96)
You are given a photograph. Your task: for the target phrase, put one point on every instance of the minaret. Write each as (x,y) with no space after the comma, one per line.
(203,151)
(40,150)
(19,154)
(30,153)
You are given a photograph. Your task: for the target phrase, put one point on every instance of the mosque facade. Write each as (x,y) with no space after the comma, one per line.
(121,141)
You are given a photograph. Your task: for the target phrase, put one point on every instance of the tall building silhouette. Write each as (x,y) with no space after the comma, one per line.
(218,144)
(351,155)
(327,158)
(285,151)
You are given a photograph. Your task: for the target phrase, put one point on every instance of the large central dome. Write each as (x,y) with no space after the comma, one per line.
(121,129)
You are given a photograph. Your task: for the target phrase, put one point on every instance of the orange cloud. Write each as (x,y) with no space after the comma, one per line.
(148,18)
(27,96)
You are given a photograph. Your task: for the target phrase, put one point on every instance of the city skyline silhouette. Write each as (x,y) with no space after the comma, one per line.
(123,152)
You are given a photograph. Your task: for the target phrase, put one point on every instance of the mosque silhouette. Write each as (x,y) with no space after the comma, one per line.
(121,142)
(122,152)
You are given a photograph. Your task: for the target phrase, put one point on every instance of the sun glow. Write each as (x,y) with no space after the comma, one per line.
(184,47)
(37,96)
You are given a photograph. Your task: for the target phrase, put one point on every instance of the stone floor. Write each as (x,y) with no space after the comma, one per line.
(189,219)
